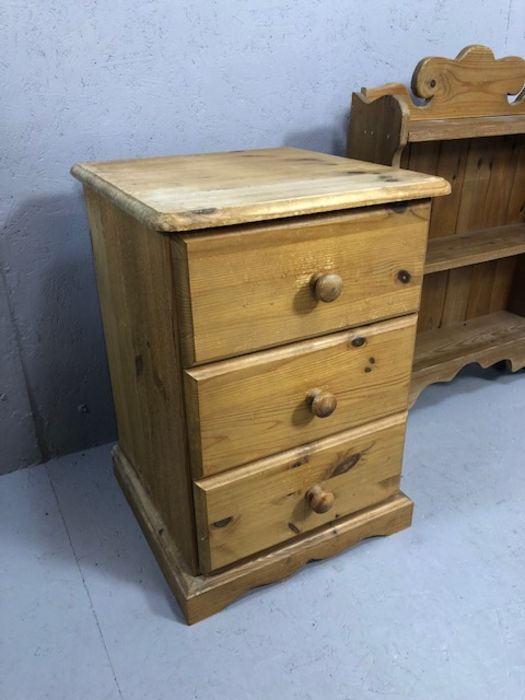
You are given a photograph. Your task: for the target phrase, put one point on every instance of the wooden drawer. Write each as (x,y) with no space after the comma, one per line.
(264,503)
(254,406)
(252,287)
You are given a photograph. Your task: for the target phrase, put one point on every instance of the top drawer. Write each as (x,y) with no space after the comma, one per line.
(258,286)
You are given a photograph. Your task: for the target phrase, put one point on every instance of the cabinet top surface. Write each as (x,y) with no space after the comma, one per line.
(185,193)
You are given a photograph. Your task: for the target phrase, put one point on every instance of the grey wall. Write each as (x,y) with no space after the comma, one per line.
(99,80)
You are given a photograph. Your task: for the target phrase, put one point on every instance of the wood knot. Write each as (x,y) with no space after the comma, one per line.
(345,465)
(399,207)
(223,522)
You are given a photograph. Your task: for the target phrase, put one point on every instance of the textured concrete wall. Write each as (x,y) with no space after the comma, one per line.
(98,80)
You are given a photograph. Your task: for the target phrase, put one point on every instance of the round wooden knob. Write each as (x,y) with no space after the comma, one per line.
(322,403)
(320,501)
(327,287)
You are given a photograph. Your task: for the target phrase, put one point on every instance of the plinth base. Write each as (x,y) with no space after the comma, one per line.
(202,596)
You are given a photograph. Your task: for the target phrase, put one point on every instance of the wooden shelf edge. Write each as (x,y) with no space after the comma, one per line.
(460,250)
(441,354)
(465,127)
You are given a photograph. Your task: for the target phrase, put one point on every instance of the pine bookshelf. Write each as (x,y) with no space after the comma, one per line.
(459,122)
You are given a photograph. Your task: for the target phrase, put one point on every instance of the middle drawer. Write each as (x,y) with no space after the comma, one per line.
(242,409)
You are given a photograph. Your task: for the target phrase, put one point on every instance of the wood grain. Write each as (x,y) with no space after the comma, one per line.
(250,289)
(202,596)
(501,284)
(433,297)
(377,129)
(517,293)
(397,89)
(456,299)
(465,128)
(463,97)
(426,157)
(135,286)
(186,193)
(249,509)
(474,84)
(479,293)
(451,164)
(243,409)
(516,203)
(429,158)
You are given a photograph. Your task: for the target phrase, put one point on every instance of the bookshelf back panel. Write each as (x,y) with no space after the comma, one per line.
(487,177)
(517,292)
(488,190)
(452,296)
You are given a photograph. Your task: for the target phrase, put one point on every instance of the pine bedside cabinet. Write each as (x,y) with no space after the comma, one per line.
(259,310)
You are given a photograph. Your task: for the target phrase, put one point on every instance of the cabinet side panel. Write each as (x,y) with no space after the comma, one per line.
(136,291)
(377,130)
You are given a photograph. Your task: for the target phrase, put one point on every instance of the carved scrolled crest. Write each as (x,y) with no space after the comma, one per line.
(474,84)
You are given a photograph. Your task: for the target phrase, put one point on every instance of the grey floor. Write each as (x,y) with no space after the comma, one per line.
(437,611)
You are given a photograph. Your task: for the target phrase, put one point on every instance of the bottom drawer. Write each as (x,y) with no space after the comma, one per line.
(249,509)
